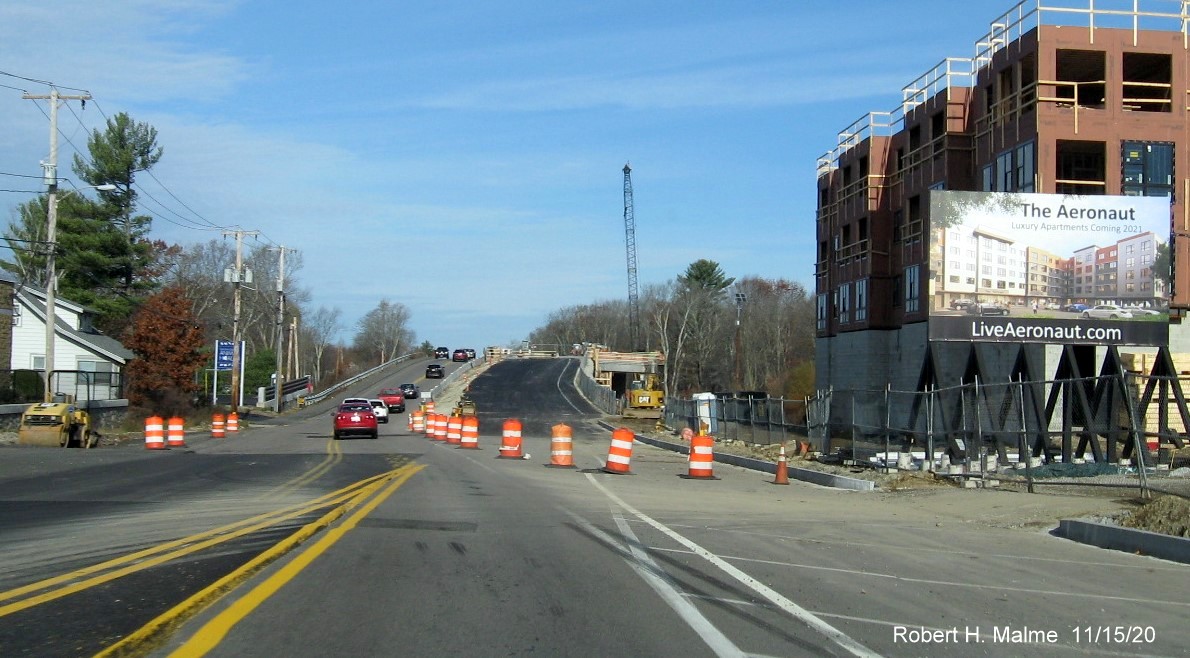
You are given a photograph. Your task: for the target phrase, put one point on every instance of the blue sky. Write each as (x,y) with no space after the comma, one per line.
(465,158)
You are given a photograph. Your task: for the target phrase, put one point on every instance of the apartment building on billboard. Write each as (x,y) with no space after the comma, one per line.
(1060,98)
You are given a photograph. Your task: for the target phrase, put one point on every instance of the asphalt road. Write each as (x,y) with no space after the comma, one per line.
(416,548)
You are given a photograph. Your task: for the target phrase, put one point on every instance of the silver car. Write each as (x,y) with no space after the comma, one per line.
(1107,312)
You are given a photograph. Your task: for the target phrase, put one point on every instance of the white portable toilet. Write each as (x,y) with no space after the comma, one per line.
(706,407)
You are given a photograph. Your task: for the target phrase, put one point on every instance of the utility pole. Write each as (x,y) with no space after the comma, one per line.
(237,277)
(280,329)
(50,176)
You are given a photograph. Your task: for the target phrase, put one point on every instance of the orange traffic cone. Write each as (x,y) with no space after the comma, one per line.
(782,468)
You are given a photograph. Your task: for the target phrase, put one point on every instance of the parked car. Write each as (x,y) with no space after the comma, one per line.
(961,304)
(1075,308)
(459,355)
(441,353)
(435,371)
(1053,306)
(987,308)
(1106,312)
(355,419)
(393,398)
(411,391)
(1138,311)
(380,409)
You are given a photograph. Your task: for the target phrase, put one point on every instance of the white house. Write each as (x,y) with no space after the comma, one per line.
(78,346)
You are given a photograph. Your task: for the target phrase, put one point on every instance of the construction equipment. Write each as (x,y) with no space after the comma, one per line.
(630,249)
(644,397)
(59,423)
(465,406)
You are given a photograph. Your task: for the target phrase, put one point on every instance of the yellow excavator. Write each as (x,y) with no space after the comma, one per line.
(644,397)
(58,423)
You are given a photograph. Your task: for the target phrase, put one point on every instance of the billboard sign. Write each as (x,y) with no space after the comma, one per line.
(1049,268)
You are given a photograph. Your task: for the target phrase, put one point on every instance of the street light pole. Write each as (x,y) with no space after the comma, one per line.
(740,298)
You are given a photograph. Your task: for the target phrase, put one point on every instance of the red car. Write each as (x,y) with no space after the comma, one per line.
(393,398)
(355,419)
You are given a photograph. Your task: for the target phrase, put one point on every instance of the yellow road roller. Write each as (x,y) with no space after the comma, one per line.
(59,423)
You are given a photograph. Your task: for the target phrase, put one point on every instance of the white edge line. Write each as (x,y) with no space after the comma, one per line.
(788,606)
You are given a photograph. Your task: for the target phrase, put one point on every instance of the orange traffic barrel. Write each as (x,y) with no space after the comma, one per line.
(233,422)
(619,454)
(175,436)
(439,427)
(702,458)
(510,442)
(470,437)
(429,406)
(418,418)
(561,447)
(217,426)
(454,430)
(154,433)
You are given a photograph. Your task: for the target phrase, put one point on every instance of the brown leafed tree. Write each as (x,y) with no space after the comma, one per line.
(168,342)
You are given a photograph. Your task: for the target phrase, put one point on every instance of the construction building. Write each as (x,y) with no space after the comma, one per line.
(1070,97)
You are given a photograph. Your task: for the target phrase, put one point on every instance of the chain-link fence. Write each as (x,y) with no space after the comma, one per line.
(752,419)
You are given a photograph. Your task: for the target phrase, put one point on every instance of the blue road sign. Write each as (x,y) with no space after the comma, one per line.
(223,354)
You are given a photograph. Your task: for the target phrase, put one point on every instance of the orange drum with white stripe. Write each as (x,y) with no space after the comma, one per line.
(418,419)
(470,432)
(561,447)
(233,422)
(439,425)
(619,454)
(154,433)
(429,406)
(175,436)
(702,458)
(217,426)
(454,430)
(510,442)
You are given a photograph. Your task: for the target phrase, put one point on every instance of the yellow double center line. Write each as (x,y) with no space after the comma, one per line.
(334,455)
(213,632)
(98,574)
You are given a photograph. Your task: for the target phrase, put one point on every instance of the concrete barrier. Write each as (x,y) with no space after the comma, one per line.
(1129,540)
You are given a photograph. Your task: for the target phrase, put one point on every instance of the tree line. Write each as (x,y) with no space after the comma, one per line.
(718,334)
(168,303)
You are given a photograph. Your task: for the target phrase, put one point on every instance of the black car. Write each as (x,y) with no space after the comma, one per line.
(459,355)
(987,308)
(435,371)
(441,353)
(411,391)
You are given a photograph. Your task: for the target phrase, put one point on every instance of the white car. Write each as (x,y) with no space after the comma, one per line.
(1137,311)
(380,409)
(1106,312)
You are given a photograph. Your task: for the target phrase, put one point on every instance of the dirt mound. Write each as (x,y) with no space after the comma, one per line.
(1168,515)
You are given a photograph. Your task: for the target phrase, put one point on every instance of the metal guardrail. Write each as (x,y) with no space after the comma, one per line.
(322,395)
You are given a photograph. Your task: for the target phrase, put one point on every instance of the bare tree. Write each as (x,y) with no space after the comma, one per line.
(383,331)
(319,329)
